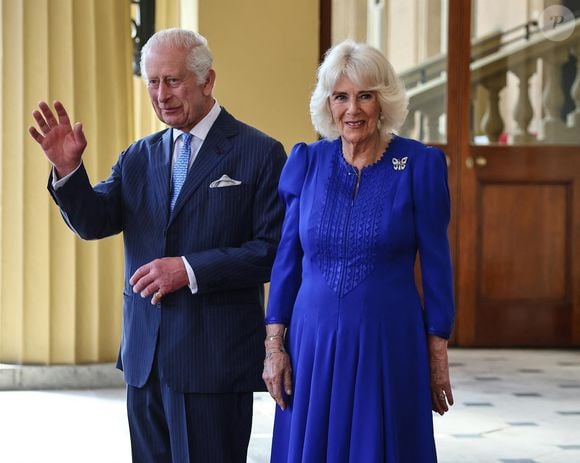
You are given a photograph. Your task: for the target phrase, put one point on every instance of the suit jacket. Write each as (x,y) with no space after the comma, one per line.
(211,341)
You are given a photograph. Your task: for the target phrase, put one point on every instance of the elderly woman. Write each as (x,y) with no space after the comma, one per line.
(354,359)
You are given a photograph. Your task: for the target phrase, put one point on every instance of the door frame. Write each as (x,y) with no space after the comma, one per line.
(457,149)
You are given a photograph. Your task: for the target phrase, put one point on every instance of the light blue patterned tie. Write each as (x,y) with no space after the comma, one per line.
(180,168)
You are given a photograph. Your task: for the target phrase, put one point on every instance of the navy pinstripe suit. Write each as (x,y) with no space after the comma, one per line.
(211,341)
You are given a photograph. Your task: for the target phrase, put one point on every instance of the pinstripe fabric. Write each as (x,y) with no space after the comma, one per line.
(211,341)
(175,427)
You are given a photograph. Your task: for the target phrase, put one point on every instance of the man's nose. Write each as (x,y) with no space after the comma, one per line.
(162,92)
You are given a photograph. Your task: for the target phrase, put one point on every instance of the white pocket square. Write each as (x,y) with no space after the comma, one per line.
(223,181)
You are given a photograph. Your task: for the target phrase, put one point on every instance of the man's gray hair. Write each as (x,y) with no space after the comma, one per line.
(199,58)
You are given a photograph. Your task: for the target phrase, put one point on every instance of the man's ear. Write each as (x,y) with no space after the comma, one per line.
(209,83)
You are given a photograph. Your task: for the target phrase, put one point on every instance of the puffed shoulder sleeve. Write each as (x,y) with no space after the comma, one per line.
(287,269)
(432,214)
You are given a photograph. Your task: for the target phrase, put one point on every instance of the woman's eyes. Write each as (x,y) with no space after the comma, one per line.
(343,97)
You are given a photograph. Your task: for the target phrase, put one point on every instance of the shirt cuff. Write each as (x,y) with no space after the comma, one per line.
(59,182)
(190,276)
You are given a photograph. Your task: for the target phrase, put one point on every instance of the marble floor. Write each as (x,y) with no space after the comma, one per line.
(512,406)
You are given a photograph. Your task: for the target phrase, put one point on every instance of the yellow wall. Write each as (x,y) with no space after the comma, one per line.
(59,297)
(265,54)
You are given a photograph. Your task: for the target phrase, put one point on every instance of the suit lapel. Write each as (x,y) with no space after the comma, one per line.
(212,152)
(160,163)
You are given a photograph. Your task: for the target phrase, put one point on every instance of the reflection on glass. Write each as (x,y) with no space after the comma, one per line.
(413,36)
(524,73)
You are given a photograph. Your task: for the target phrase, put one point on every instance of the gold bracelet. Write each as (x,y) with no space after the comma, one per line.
(271,337)
(277,351)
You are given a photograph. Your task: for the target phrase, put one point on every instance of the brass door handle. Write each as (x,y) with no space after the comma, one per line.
(479,161)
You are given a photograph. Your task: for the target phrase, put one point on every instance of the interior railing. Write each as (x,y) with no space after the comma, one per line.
(526,52)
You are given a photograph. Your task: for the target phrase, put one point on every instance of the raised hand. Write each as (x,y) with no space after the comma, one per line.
(62,144)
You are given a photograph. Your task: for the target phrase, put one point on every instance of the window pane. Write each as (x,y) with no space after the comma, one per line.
(524,73)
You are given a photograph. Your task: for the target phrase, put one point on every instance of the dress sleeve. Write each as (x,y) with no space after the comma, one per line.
(432,214)
(287,269)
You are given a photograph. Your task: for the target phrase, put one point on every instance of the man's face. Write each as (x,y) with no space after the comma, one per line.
(178,99)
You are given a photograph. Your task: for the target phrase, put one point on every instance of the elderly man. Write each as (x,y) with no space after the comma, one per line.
(199,212)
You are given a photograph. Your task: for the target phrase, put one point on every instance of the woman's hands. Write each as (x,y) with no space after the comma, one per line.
(441,394)
(277,372)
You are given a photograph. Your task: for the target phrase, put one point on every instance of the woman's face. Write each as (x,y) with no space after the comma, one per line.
(355,111)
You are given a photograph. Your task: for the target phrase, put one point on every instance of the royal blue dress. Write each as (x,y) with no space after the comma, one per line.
(343,283)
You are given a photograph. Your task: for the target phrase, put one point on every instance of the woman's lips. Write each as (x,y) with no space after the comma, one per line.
(354,124)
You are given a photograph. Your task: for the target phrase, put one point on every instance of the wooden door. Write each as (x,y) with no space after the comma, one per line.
(518,266)
(519,278)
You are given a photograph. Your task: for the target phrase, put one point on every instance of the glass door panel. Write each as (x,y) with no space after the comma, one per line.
(525,80)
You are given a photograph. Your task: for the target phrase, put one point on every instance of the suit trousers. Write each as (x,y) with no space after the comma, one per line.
(167,426)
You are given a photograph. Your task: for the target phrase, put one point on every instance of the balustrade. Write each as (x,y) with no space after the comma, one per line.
(523,60)
(523,111)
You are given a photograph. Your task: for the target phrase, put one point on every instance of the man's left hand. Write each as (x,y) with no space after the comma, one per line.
(159,278)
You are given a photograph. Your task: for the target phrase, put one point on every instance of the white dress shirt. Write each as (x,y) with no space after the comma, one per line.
(199,133)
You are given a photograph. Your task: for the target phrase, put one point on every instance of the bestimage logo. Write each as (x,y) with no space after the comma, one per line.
(556,23)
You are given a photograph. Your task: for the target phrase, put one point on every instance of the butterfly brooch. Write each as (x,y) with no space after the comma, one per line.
(400,164)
